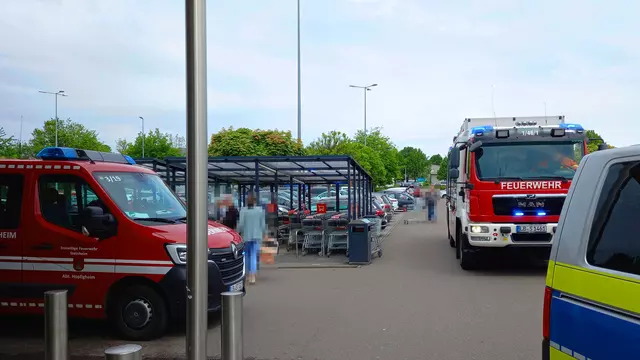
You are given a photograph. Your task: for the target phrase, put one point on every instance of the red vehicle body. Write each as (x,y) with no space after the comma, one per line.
(508,178)
(112,234)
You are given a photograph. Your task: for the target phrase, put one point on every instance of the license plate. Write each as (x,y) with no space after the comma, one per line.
(531,228)
(237,286)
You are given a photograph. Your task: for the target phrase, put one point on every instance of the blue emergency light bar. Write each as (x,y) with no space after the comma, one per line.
(480,130)
(521,213)
(576,127)
(64,153)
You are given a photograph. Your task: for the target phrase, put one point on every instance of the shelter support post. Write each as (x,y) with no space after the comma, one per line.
(349,200)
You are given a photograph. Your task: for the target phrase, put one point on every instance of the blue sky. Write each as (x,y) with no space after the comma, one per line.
(436,63)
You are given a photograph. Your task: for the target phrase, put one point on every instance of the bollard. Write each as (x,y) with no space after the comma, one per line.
(124,352)
(231,327)
(56,331)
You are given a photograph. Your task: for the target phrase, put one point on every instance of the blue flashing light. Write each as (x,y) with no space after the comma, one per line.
(518,213)
(576,127)
(542,213)
(480,130)
(58,153)
(65,153)
(129,159)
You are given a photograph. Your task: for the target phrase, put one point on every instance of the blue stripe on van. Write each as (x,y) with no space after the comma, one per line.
(593,332)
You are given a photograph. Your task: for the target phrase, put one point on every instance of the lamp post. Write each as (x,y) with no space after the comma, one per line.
(299,83)
(55,94)
(141,118)
(365,89)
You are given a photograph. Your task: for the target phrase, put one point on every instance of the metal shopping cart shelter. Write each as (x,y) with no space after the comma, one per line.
(255,172)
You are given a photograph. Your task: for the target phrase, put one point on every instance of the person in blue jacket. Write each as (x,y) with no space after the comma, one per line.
(253,228)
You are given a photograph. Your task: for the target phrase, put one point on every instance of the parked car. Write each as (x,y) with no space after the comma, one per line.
(443,193)
(377,209)
(384,200)
(405,201)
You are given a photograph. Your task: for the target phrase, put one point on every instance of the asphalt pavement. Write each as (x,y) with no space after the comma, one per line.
(413,303)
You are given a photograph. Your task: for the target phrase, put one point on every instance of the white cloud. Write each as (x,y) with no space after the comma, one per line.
(435,62)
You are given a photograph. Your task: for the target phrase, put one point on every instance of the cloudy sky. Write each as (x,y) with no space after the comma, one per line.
(436,62)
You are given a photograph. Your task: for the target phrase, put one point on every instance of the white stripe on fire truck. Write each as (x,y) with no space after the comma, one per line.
(41,305)
(39,167)
(93,266)
(100,261)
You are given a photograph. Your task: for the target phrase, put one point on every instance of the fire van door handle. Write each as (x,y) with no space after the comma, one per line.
(43,246)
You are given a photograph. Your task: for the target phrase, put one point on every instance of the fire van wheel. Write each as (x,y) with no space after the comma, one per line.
(468,259)
(139,313)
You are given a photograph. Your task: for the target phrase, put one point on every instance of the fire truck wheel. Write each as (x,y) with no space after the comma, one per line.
(468,259)
(138,312)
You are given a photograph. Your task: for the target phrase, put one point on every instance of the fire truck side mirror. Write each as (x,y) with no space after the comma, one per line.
(98,224)
(454,159)
(454,173)
(475,146)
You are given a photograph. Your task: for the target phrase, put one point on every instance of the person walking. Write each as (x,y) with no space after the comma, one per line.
(252,226)
(230,218)
(431,198)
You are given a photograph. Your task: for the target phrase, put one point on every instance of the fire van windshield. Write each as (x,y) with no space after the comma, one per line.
(532,160)
(142,197)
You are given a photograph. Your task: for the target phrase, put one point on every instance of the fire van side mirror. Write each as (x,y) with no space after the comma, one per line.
(97,224)
(454,158)
(454,173)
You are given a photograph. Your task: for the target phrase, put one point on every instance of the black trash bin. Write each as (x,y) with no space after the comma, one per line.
(360,241)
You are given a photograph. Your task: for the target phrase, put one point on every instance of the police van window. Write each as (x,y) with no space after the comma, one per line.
(613,242)
(64,197)
(10,200)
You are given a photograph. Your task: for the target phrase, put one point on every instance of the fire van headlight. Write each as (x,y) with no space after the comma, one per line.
(476,229)
(177,253)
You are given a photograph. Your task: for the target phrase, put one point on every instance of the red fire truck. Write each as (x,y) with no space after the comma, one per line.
(507,181)
(110,233)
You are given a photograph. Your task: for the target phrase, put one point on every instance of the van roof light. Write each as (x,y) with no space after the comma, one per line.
(65,153)
(480,130)
(576,127)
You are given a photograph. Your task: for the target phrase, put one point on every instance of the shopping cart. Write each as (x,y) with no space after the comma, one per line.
(337,235)
(375,236)
(313,235)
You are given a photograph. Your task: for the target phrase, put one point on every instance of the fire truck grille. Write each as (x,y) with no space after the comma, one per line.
(231,269)
(531,237)
(506,206)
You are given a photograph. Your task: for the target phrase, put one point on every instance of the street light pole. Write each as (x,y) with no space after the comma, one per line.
(141,118)
(299,83)
(55,95)
(365,89)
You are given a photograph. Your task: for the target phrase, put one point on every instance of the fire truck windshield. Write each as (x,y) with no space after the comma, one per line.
(528,160)
(142,196)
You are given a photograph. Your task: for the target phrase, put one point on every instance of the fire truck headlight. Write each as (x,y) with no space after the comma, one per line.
(479,229)
(177,253)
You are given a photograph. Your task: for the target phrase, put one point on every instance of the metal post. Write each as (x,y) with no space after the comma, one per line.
(143,135)
(197,176)
(256,189)
(231,326)
(365,116)
(56,331)
(124,352)
(349,200)
(299,83)
(56,106)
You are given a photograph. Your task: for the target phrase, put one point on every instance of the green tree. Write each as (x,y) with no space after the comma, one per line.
(8,145)
(70,134)
(247,142)
(592,145)
(368,158)
(443,171)
(435,159)
(415,161)
(156,145)
(328,143)
(384,147)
